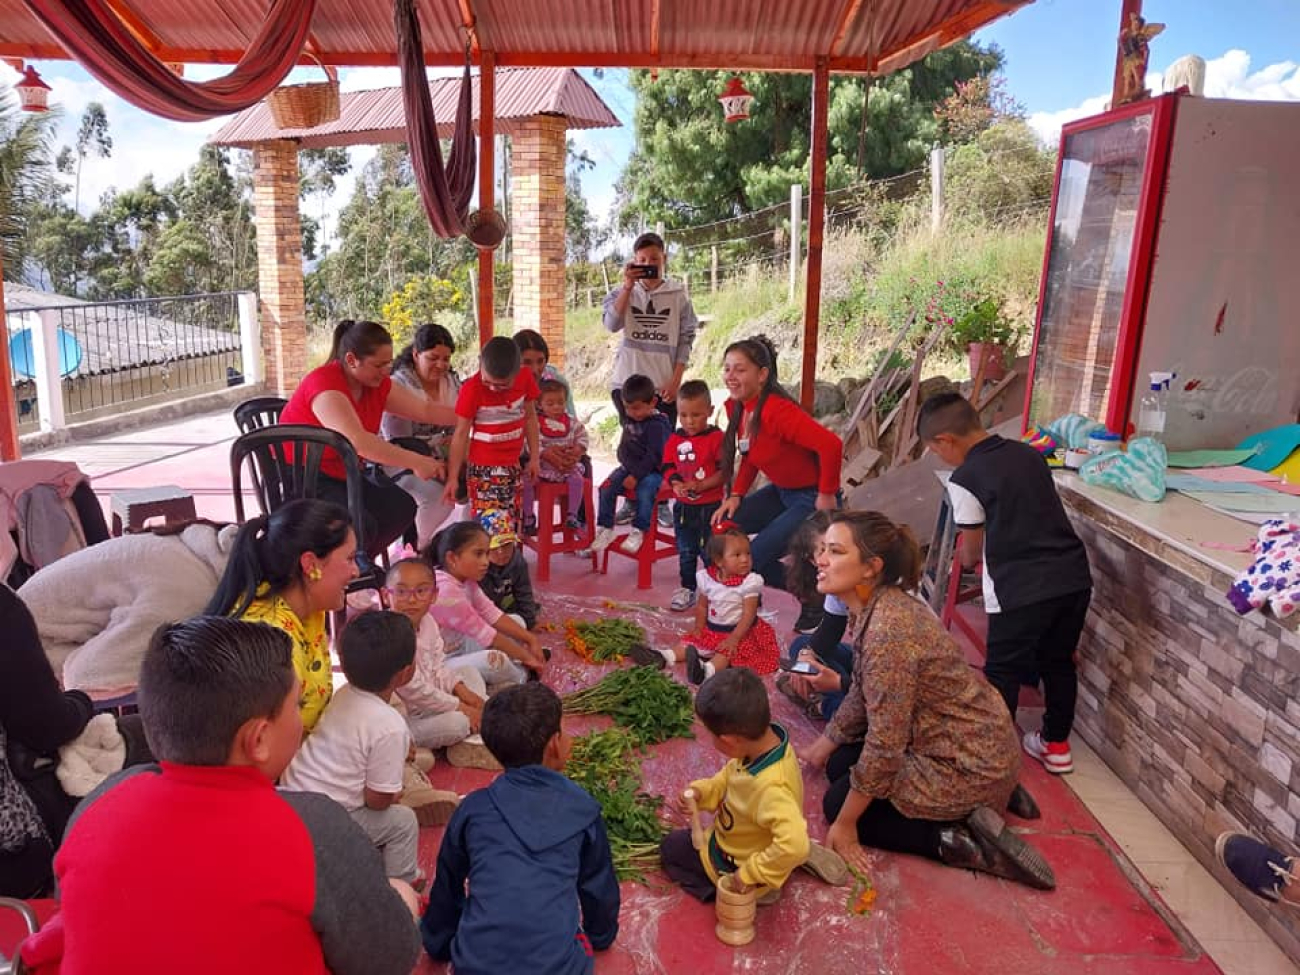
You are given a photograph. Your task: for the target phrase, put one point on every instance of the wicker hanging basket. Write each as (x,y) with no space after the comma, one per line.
(305,106)
(485,229)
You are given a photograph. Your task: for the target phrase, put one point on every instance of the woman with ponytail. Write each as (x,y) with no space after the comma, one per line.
(349,394)
(775,437)
(290,569)
(921,756)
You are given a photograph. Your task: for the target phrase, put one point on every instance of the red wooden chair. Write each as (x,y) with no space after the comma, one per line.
(552,510)
(658,543)
(949,617)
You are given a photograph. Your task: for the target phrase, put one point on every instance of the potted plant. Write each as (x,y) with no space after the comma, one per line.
(987,335)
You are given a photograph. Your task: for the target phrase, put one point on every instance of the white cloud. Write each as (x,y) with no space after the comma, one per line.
(1228,76)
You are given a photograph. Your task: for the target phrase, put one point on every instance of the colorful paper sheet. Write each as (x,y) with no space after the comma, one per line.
(1269,502)
(1209,458)
(1241,475)
(1206,485)
(1286,487)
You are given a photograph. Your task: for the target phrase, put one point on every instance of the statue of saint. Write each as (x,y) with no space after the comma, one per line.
(1135,50)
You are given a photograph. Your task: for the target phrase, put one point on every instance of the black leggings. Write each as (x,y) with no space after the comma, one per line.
(389,510)
(881,825)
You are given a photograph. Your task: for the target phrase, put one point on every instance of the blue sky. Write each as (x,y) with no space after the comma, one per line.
(1060,58)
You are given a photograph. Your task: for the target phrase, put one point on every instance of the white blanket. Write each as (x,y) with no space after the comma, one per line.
(96,609)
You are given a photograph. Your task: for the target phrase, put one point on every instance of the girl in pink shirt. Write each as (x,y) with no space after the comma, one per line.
(471,624)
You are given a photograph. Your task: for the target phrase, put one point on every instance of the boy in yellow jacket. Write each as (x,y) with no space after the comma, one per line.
(758,832)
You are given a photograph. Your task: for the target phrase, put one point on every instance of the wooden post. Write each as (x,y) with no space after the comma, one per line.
(1127,7)
(713,269)
(486,178)
(816,223)
(936,188)
(796,220)
(9,449)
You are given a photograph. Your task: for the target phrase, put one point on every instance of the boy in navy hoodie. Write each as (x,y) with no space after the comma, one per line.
(640,459)
(527,867)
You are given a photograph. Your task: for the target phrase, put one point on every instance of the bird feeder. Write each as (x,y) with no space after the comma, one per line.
(736,100)
(33,93)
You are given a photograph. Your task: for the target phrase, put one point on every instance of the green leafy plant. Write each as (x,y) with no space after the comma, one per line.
(650,705)
(608,765)
(983,322)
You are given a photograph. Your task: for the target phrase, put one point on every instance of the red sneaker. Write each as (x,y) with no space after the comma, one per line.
(1055,755)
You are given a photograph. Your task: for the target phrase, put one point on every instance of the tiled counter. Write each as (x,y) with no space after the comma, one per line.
(1196,708)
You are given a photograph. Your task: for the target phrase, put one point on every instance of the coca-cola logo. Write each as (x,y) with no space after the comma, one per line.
(1250,391)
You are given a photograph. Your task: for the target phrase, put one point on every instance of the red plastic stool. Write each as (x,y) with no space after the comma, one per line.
(956,594)
(657,543)
(550,496)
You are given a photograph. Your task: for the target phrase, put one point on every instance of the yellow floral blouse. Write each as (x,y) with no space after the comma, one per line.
(311,652)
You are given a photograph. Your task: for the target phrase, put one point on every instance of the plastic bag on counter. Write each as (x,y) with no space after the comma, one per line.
(1138,472)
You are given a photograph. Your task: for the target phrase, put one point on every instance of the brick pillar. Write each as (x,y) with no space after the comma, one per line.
(279,264)
(537,158)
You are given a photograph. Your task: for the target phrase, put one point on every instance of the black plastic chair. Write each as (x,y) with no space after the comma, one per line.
(259,412)
(284,464)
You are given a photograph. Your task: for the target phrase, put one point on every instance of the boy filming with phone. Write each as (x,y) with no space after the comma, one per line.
(658,324)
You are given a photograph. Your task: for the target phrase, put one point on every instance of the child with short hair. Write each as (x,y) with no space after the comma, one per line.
(201,858)
(763,837)
(1037,585)
(690,467)
(508,583)
(444,703)
(496,419)
(729,632)
(544,888)
(358,752)
(476,632)
(563,444)
(640,455)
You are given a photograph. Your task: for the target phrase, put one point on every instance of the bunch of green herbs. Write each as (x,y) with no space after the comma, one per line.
(645,701)
(607,764)
(603,640)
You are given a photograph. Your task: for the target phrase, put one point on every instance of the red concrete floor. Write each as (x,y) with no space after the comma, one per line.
(929,919)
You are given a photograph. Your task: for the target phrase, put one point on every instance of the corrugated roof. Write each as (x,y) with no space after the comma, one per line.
(370,117)
(856,35)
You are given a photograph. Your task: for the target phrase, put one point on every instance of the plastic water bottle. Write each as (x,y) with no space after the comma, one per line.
(1154,407)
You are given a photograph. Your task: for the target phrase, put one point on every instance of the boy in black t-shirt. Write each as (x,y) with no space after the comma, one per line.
(1036,580)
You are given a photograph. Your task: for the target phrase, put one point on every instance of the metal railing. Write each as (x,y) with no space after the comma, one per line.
(104,358)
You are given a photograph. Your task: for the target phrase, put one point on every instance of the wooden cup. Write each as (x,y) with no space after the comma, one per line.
(735,912)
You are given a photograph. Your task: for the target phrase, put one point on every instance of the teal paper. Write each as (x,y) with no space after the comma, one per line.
(1210,458)
(1270,503)
(1271,447)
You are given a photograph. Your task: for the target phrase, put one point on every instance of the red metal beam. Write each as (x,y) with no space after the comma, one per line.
(654,28)
(9,449)
(487,110)
(812,301)
(132,21)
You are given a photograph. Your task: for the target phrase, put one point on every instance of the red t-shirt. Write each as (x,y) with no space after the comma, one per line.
(496,418)
(330,378)
(792,449)
(693,458)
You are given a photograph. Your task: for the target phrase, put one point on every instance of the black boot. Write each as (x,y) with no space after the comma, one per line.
(1008,854)
(959,846)
(1022,805)
(810,617)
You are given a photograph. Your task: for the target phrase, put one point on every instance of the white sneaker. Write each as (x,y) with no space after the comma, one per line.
(683,599)
(1055,755)
(604,538)
(632,543)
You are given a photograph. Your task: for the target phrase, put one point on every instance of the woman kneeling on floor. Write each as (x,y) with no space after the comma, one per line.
(922,756)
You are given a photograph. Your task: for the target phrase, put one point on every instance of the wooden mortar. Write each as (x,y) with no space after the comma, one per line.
(735,913)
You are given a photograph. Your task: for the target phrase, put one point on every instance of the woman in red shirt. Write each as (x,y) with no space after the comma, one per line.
(349,395)
(774,437)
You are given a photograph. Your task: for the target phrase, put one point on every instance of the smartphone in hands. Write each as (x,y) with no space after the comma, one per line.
(800,667)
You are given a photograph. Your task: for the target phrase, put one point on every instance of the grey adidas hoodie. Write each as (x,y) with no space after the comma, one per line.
(658,331)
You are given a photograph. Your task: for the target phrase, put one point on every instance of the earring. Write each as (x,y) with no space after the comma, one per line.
(314,574)
(863,590)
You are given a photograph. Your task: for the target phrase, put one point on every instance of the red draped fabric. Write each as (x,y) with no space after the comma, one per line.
(91,32)
(445,191)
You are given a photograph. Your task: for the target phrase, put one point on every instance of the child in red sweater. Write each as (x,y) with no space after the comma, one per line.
(198,864)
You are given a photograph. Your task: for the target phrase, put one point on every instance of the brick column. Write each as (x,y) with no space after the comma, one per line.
(537,160)
(279,264)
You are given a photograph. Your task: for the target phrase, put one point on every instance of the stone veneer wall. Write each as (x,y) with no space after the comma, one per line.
(1193,706)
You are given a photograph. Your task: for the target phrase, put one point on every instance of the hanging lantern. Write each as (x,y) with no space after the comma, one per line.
(33,93)
(736,100)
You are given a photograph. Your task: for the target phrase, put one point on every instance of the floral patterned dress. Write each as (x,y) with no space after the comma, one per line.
(311,652)
(937,739)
